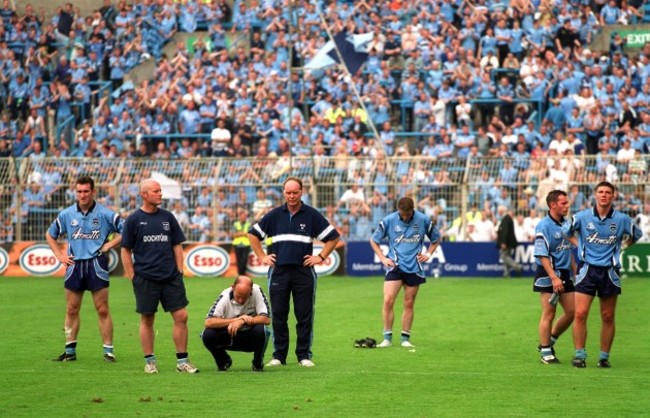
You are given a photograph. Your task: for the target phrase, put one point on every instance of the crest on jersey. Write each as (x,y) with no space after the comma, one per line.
(96,222)
(558,235)
(612,228)
(166,226)
(398,228)
(416,227)
(74,222)
(591,226)
(302,227)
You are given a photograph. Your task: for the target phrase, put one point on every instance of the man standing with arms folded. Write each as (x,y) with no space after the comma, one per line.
(601,233)
(240,241)
(292,227)
(507,242)
(553,274)
(87,225)
(152,256)
(237,322)
(405,230)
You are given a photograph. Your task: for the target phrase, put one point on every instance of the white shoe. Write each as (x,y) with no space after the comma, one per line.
(273,363)
(307,363)
(384,344)
(407,344)
(186,367)
(150,367)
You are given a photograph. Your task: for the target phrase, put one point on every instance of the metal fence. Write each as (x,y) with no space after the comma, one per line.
(353,193)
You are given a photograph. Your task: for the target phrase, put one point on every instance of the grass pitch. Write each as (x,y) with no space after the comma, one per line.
(475,356)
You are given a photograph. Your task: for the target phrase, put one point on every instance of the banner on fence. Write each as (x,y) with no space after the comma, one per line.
(29,258)
(457,259)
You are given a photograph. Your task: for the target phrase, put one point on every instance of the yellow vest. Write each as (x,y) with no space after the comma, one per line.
(242,241)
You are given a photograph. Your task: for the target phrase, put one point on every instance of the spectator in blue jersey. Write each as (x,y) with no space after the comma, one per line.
(91,230)
(237,322)
(292,227)
(553,275)
(602,231)
(405,230)
(152,255)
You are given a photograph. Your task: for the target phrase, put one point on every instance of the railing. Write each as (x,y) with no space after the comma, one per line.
(34,191)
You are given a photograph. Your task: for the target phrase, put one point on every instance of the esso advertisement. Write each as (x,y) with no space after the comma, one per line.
(207,260)
(113,260)
(256,269)
(39,260)
(4,260)
(331,263)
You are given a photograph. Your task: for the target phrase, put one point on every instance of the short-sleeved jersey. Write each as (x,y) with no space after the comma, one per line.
(293,235)
(405,239)
(86,231)
(599,240)
(151,238)
(227,307)
(550,242)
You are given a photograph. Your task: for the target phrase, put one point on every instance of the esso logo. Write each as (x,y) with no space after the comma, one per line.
(4,260)
(254,267)
(113,260)
(331,263)
(39,260)
(208,260)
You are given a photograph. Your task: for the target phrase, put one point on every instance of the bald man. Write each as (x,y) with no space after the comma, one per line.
(152,256)
(237,322)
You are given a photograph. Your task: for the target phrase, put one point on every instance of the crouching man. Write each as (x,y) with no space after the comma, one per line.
(237,322)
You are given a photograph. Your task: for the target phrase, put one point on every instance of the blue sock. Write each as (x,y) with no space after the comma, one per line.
(71,347)
(553,340)
(546,351)
(150,358)
(581,353)
(406,335)
(181,358)
(388,335)
(604,355)
(108,349)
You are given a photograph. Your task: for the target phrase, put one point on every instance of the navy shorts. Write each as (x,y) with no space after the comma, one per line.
(91,274)
(169,293)
(543,284)
(409,279)
(598,281)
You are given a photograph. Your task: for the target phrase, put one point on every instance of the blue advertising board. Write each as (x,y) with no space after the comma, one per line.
(452,259)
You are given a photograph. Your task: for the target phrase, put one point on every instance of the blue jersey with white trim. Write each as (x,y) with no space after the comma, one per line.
(551,242)
(86,232)
(406,239)
(600,240)
(292,236)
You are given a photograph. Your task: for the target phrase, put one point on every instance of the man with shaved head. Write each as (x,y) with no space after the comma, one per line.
(237,322)
(152,256)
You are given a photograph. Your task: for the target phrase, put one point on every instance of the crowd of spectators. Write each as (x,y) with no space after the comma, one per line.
(471,78)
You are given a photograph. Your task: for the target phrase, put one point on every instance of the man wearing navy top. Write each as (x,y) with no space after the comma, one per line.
(405,231)
(601,233)
(292,227)
(552,278)
(87,225)
(152,256)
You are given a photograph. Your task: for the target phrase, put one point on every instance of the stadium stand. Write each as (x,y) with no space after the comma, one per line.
(460,104)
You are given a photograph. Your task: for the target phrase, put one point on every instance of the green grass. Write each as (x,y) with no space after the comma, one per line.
(476,356)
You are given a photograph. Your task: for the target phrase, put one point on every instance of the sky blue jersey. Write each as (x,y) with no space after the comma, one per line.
(86,232)
(551,242)
(599,240)
(406,239)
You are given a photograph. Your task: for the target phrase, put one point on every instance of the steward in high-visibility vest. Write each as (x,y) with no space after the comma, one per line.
(240,241)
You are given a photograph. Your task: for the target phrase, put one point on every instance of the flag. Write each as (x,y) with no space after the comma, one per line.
(353,49)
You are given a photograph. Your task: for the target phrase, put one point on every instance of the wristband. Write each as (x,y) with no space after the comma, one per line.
(321,257)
